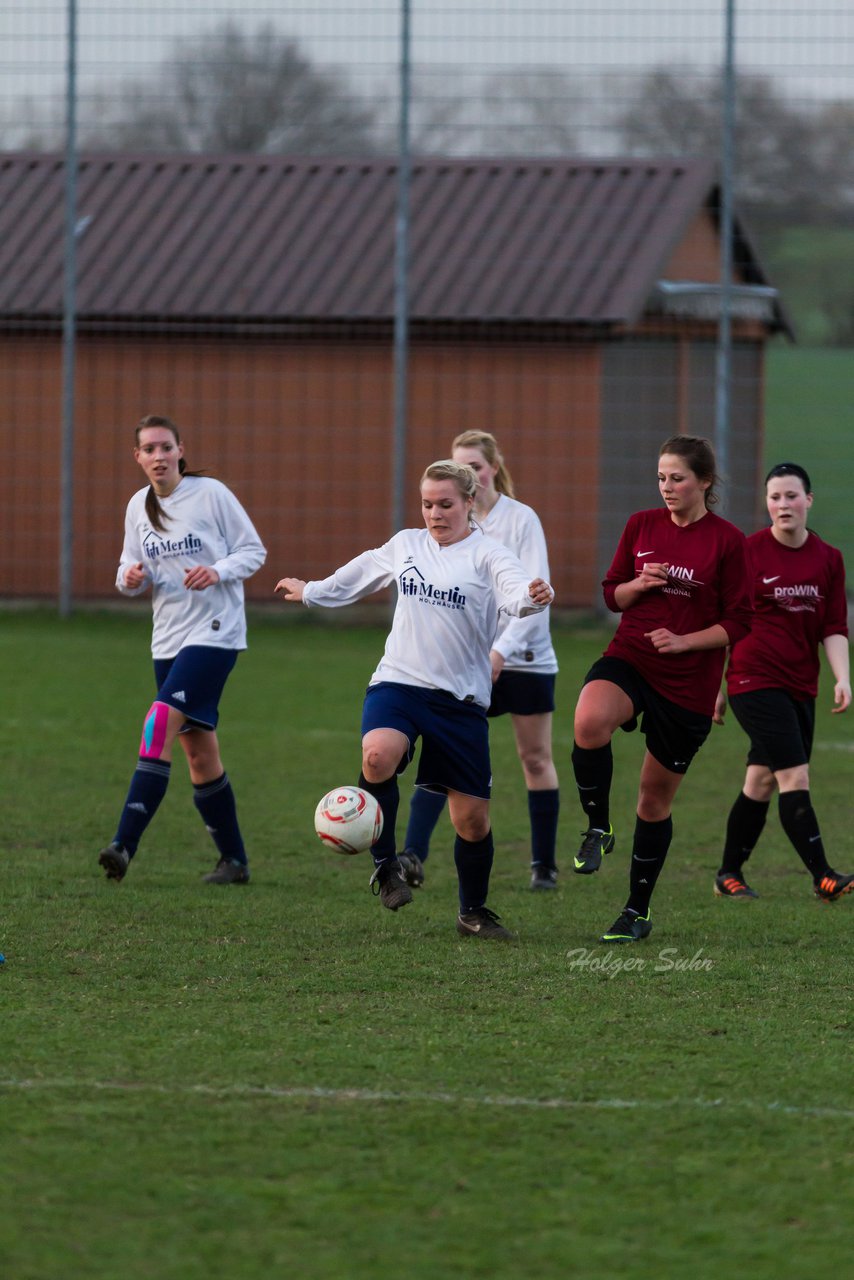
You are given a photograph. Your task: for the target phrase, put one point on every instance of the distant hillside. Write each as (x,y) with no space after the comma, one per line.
(809,418)
(813,267)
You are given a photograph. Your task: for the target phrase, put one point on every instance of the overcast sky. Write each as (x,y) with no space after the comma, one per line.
(809,45)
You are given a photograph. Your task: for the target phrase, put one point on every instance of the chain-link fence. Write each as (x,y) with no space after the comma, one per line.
(235,252)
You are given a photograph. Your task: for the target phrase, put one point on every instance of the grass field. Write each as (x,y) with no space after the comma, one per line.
(808,420)
(286,1080)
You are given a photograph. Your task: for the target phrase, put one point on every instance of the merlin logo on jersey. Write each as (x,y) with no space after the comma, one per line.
(154,546)
(411,583)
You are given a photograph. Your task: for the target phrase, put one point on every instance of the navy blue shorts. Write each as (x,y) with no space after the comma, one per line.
(673,734)
(523,693)
(193,682)
(780,727)
(454,735)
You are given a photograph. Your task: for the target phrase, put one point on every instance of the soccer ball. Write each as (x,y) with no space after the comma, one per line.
(348,819)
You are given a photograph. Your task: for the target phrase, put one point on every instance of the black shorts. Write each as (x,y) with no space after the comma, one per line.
(523,693)
(780,727)
(673,734)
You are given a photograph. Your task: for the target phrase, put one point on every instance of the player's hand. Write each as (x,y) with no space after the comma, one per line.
(652,576)
(541,592)
(841,697)
(135,575)
(720,708)
(200,577)
(497,660)
(291,588)
(666,642)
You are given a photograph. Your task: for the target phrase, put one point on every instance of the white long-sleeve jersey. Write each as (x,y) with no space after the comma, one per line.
(524,642)
(448,604)
(205,524)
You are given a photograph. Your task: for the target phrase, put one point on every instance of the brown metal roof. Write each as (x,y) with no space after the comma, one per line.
(274,238)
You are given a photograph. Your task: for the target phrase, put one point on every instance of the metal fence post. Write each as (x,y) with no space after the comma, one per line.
(69,323)
(723,361)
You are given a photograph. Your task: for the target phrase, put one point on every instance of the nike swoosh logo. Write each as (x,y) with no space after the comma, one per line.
(774,579)
(640,554)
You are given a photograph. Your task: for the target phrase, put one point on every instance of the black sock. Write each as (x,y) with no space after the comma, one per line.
(473,859)
(543,810)
(425,810)
(743,829)
(800,824)
(147,788)
(387,796)
(649,849)
(594,768)
(215,802)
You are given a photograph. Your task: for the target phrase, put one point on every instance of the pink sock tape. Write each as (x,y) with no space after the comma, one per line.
(154,732)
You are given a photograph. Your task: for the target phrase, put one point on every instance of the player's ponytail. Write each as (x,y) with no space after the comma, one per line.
(153,509)
(698,454)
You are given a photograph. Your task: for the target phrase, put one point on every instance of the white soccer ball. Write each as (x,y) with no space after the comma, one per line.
(348,819)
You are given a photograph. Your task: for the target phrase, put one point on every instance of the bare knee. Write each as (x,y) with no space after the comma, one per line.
(377,764)
(654,803)
(591,729)
(473,829)
(201,747)
(535,761)
(602,707)
(470,816)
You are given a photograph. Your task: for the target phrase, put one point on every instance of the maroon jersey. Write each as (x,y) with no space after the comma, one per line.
(799,597)
(708,582)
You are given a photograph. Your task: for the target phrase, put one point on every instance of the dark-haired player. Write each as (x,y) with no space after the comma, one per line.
(680,581)
(772,682)
(189,539)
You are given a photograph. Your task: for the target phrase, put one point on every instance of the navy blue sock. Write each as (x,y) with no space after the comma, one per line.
(425,809)
(743,829)
(594,768)
(474,863)
(649,849)
(798,820)
(543,810)
(387,796)
(215,802)
(147,788)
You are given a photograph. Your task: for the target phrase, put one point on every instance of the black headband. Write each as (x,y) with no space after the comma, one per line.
(790,469)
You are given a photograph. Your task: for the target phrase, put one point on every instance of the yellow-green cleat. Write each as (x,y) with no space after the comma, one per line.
(595,843)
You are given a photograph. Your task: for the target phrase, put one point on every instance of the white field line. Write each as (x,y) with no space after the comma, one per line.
(298,1093)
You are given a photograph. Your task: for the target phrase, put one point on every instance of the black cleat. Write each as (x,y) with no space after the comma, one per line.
(412,868)
(228,872)
(594,844)
(833,886)
(543,877)
(393,890)
(115,860)
(483,923)
(628,927)
(730,885)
